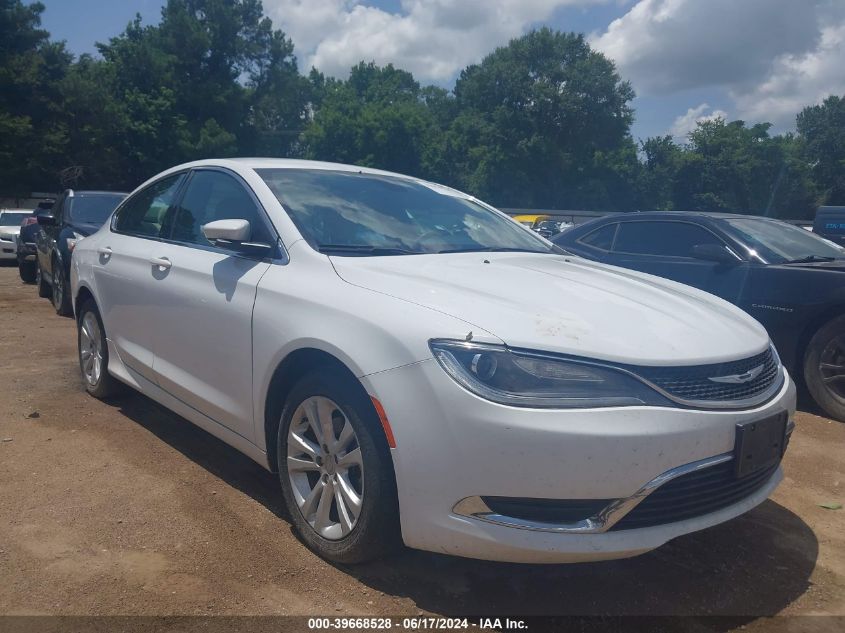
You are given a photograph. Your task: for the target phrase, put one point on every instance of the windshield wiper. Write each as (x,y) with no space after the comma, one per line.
(810,258)
(491,249)
(362,249)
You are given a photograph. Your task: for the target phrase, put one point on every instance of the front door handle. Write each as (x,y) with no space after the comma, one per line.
(105,251)
(161,262)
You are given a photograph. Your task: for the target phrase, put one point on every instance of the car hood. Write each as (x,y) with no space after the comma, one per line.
(10,231)
(567,305)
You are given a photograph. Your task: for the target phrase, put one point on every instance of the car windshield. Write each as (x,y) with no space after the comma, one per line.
(94,209)
(355,214)
(12,219)
(777,242)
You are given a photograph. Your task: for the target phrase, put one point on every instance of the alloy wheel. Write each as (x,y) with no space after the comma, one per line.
(325,467)
(832,366)
(90,349)
(58,289)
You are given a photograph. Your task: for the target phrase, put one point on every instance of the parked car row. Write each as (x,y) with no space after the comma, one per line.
(790,280)
(46,238)
(419,369)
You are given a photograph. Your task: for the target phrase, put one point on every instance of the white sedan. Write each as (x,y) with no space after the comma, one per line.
(10,228)
(419,368)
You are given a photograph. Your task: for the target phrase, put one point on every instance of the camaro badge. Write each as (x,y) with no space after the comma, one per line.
(738,379)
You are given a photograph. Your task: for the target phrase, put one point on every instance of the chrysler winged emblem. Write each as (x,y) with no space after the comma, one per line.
(738,379)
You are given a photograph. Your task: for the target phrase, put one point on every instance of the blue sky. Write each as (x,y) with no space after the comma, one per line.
(759,60)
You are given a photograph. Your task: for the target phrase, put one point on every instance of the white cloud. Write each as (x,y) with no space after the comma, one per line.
(796,81)
(772,57)
(686,123)
(434,39)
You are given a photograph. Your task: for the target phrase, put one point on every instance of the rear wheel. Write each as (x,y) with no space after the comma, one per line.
(27,271)
(335,470)
(94,354)
(60,296)
(44,290)
(824,368)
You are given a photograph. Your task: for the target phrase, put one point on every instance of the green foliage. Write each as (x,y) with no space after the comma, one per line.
(378,117)
(727,167)
(822,130)
(543,122)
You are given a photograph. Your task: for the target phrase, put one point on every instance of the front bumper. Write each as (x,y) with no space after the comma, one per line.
(453,446)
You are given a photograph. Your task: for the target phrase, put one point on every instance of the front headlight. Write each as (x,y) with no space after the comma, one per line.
(526,379)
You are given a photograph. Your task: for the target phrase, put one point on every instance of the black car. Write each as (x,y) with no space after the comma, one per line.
(27,238)
(76,214)
(789,279)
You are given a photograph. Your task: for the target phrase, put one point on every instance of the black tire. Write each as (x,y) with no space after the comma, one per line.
(60,295)
(830,396)
(44,290)
(27,272)
(107,386)
(376,531)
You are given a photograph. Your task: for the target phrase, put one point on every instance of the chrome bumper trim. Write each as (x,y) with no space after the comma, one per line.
(475,508)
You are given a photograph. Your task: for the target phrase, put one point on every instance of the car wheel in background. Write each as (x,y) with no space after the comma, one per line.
(335,469)
(27,271)
(44,290)
(61,294)
(94,354)
(824,368)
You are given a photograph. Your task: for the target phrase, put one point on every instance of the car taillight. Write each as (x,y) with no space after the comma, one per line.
(28,221)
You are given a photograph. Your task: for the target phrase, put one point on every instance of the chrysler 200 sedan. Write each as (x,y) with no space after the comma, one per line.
(419,368)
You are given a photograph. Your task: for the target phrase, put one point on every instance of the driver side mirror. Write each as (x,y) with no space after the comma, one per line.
(233,235)
(718,253)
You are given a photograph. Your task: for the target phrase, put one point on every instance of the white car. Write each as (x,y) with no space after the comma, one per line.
(420,368)
(10,228)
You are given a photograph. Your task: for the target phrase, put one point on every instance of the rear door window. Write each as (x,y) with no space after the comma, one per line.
(601,238)
(663,239)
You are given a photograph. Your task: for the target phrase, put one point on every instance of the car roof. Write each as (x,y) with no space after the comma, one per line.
(700,216)
(287,163)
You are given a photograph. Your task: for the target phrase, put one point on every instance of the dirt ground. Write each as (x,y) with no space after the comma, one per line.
(128,509)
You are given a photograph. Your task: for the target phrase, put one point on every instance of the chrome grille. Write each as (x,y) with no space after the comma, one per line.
(694,382)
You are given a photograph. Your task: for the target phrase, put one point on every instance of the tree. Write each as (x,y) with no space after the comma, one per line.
(822,130)
(538,122)
(31,134)
(378,117)
(211,79)
(734,168)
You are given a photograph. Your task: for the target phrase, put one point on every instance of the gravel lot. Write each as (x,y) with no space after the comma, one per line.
(126,508)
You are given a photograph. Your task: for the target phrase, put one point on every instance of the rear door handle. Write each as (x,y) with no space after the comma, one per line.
(161,262)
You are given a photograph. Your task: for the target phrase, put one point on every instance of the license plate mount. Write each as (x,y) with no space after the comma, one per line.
(759,444)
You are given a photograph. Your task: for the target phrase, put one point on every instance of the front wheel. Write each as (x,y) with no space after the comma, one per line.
(824,368)
(335,471)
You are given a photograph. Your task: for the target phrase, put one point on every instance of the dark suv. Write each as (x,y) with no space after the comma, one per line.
(76,214)
(786,277)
